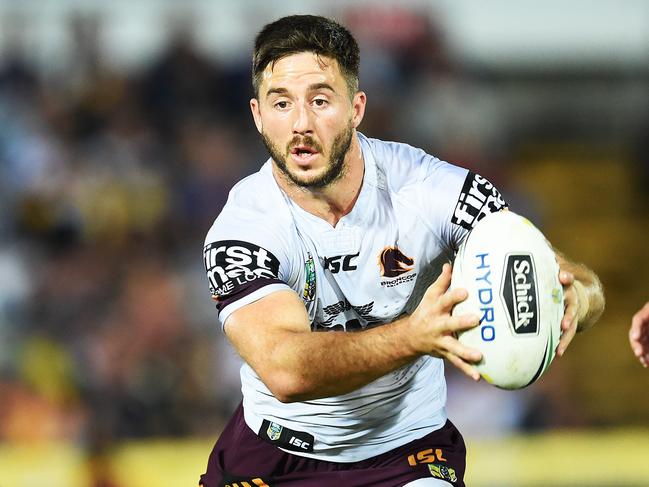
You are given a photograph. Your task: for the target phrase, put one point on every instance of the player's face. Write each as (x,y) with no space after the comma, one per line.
(306,118)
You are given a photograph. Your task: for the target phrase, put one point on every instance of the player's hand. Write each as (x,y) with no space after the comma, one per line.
(434,329)
(572,309)
(639,335)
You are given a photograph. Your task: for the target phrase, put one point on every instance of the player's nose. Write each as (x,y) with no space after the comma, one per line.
(302,122)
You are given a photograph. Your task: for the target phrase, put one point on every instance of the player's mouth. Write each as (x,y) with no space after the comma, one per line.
(303,154)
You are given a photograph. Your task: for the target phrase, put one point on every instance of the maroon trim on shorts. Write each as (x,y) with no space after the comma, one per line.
(241,457)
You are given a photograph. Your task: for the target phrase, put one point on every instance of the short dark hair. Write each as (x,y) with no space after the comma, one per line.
(306,33)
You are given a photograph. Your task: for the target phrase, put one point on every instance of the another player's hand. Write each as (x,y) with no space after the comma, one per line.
(573,309)
(639,335)
(434,329)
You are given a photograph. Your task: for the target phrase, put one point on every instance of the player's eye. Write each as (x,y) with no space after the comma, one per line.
(281,105)
(320,102)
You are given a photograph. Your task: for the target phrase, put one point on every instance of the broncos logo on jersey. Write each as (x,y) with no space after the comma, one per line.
(393,262)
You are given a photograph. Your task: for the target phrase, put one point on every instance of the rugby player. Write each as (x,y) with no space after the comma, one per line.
(330,271)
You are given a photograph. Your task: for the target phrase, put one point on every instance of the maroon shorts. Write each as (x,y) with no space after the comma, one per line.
(243,459)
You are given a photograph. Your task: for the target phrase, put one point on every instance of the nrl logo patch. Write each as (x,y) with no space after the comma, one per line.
(274,431)
(308,293)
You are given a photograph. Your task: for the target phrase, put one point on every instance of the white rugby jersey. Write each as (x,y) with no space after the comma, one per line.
(412,212)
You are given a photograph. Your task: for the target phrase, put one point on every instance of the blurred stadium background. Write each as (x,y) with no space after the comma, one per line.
(124,124)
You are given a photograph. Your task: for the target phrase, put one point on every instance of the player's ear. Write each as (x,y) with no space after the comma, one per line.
(358,108)
(256,114)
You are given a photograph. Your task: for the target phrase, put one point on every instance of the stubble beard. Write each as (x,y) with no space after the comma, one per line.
(334,170)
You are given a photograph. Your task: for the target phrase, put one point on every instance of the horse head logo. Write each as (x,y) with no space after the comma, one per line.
(393,262)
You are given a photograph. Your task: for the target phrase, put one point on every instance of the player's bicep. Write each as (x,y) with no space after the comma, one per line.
(257,329)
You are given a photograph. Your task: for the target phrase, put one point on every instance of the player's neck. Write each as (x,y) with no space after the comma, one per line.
(336,200)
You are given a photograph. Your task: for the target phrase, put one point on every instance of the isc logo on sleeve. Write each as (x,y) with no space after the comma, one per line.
(232,263)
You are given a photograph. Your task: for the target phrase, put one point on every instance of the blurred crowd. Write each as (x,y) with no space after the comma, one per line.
(108,184)
(109,181)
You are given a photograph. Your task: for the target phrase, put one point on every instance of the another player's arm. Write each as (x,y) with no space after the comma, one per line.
(273,336)
(639,334)
(584,299)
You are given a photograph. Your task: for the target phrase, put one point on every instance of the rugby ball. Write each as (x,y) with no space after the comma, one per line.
(512,277)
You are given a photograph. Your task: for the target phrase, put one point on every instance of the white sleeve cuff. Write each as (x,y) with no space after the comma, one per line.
(250,298)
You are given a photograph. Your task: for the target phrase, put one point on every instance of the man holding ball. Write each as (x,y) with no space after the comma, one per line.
(330,271)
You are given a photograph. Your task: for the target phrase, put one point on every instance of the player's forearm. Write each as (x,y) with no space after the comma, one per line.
(313,365)
(589,291)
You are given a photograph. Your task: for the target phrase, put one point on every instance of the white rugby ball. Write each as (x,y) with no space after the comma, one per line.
(512,277)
